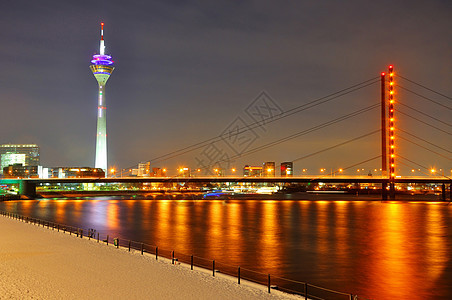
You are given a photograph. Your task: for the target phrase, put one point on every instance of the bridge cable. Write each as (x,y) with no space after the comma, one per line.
(337,145)
(271,119)
(310,130)
(301,133)
(425,114)
(423,86)
(426,98)
(407,165)
(432,151)
(424,167)
(354,165)
(408,115)
(426,141)
(267,120)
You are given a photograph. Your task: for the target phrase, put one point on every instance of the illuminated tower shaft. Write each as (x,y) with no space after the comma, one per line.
(391,125)
(102,67)
(391,134)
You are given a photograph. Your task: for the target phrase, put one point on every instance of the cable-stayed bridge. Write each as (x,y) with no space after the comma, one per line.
(403,121)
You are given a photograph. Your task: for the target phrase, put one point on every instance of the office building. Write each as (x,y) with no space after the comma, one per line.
(20,171)
(75,172)
(24,154)
(287,169)
(252,171)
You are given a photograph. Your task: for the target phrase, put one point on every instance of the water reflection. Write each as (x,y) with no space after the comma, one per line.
(376,250)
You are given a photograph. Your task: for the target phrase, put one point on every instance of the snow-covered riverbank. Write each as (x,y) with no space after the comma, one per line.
(39,263)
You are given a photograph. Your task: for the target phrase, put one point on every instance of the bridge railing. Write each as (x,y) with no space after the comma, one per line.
(304,289)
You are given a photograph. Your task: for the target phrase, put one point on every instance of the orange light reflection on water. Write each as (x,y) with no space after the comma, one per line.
(270,238)
(234,235)
(113,215)
(182,227)
(163,223)
(340,231)
(60,211)
(437,252)
(390,266)
(215,230)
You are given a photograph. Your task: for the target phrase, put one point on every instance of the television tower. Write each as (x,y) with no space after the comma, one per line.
(102,67)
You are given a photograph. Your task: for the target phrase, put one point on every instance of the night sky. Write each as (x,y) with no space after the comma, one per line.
(187,71)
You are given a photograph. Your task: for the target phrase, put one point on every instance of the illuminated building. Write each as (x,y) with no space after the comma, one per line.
(287,169)
(24,154)
(143,170)
(184,172)
(76,172)
(20,171)
(268,169)
(102,67)
(250,171)
(158,172)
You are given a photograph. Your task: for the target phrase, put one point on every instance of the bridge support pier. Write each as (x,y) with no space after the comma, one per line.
(392,191)
(443,192)
(450,191)
(384,191)
(27,188)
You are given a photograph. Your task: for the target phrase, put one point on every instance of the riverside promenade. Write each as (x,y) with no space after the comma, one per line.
(38,263)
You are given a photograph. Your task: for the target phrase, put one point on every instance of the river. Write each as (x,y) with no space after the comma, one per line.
(392,250)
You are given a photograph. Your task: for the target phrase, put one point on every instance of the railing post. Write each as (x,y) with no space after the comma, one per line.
(107,239)
(213,267)
(172,257)
(117,245)
(156,253)
(141,248)
(98,237)
(191,262)
(81,233)
(269,283)
(129,245)
(351,296)
(238,275)
(306,291)
(58,226)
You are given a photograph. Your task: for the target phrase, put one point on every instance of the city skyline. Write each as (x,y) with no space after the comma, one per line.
(187,73)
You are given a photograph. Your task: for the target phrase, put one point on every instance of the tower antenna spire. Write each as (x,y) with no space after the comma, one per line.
(102,43)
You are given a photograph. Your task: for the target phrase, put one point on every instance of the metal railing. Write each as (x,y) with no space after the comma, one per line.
(301,288)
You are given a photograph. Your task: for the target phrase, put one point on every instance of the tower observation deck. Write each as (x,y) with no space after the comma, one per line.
(102,67)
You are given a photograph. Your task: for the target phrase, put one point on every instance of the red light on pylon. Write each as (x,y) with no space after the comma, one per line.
(102,23)
(391,67)
(383,73)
